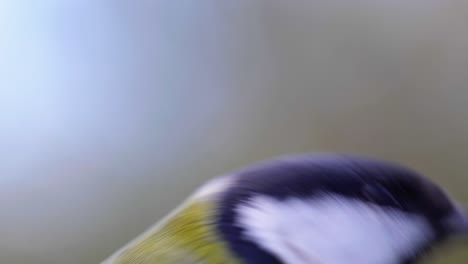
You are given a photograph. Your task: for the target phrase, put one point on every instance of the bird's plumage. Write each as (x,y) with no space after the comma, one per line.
(327,209)
(188,235)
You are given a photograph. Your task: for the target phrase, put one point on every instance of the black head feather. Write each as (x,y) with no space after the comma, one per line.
(373,181)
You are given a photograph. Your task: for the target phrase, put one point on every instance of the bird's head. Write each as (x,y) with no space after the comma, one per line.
(330,209)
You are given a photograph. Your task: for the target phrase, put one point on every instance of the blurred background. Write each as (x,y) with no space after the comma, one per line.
(112,112)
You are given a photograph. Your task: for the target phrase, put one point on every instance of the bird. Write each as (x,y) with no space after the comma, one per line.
(313,208)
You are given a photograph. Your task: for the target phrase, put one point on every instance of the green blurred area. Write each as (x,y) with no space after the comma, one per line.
(112,112)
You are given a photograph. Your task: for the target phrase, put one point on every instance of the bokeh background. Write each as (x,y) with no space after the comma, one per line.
(112,112)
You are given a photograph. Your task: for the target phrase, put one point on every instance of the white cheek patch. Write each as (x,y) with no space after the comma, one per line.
(332,230)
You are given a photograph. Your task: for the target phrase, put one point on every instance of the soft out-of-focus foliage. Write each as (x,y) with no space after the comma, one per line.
(111,112)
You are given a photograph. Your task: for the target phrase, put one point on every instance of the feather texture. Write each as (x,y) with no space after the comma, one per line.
(188,237)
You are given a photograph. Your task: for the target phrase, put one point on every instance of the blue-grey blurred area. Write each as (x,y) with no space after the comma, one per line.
(112,112)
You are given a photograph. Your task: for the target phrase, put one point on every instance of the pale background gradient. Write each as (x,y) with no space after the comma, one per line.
(111,112)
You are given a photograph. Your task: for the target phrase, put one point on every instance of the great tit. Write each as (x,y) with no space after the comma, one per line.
(305,209)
